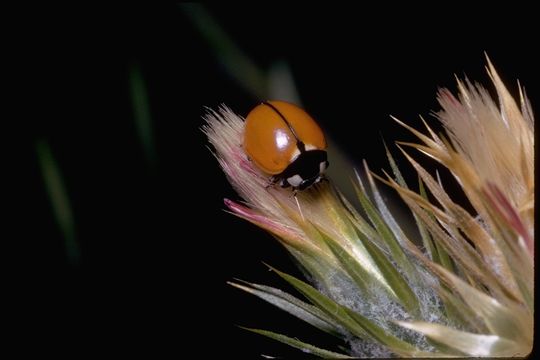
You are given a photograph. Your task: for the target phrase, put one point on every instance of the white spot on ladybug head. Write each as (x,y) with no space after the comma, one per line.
(295,180)
(310,147)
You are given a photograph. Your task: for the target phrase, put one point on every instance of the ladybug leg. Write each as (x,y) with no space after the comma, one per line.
(284,184)
(295,190)
(271,182)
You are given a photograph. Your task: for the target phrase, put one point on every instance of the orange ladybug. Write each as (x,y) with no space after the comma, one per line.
(286,143)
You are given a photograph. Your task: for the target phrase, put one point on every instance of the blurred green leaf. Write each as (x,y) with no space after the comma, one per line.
(56,190)
(237,64)
(141,113)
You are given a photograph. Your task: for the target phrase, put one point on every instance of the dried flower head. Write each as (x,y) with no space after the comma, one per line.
(462,287)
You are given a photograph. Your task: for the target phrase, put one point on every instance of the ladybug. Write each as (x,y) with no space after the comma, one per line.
(286,143)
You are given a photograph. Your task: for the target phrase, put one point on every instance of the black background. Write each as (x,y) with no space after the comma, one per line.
(157,247)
